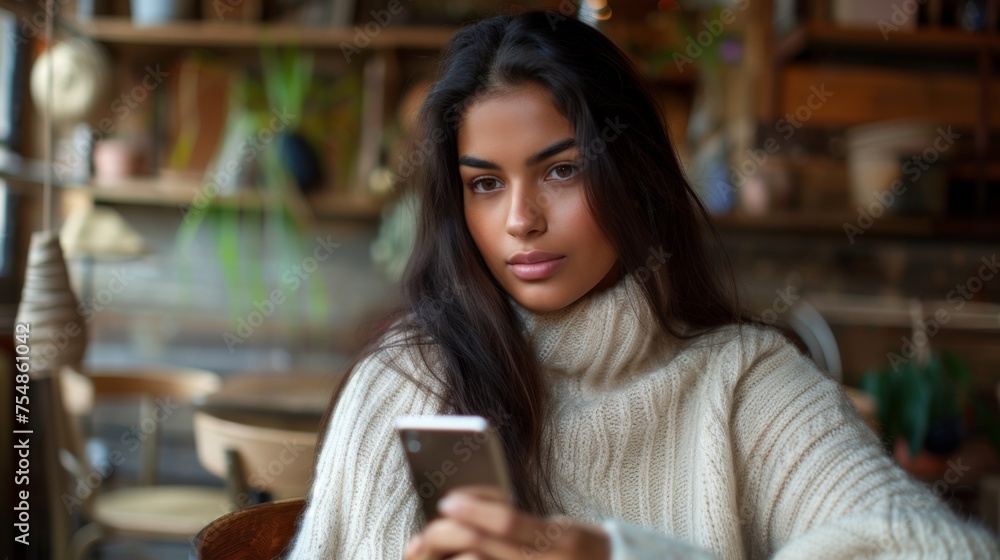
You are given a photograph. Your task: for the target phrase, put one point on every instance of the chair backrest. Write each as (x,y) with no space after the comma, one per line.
(260,532)
(161,381)
(809,326)
(271,455)
(79,393)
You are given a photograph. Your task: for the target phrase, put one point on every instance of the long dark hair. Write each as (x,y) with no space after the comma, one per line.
(635,188)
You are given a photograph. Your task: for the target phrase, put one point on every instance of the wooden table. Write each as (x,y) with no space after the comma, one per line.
(287,400)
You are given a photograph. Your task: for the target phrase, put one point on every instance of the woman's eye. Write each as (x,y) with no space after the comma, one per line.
(485,184)
(563,172)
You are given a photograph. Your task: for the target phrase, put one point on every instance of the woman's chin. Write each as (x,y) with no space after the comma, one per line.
(545,298)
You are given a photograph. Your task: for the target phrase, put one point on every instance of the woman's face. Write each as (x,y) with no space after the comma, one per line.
(525,202)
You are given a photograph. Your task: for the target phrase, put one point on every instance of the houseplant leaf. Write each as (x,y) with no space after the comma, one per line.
(959,375)
(876,384)
(230,259)
(914,407)
(962,379)
(989,422)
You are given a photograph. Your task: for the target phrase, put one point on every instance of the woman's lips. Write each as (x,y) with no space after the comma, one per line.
(537,270)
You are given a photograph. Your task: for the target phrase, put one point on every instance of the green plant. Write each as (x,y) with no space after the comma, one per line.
(926,403)
(249,236)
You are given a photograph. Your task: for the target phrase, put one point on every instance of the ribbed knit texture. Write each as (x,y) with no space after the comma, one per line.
(732,445)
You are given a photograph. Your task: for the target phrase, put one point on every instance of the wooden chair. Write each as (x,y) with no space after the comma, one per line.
(259,532)
(815,335)
(146,510)
(805,326)
(263,453)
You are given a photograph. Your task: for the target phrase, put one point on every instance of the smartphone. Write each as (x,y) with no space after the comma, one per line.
(446,452)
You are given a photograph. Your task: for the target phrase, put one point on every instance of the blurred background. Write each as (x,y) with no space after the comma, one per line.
(227,198)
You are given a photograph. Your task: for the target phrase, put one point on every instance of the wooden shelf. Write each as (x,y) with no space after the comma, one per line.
(196,33)
(181,194)
(921,41)
(154,191)
(891,311)
(833,224)
(346,205)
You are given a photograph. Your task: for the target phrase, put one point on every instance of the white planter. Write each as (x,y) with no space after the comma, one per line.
(875,14)
(874,153)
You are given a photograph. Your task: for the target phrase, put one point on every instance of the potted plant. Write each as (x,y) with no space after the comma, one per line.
(925,408)
(277,229)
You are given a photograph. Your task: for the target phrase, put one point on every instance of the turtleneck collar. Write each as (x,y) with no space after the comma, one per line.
(600,340)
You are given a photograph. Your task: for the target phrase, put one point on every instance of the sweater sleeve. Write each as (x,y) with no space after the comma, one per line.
(815,481)
(629,542)
(362,503)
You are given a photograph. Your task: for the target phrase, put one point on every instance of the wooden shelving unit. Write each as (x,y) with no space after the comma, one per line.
(833,224)
(379,59)
(958,87)
(921,41)
(198,33)
(181,194)
(244,35)
(158,192)
(337,205)
(379,54)
(883,311)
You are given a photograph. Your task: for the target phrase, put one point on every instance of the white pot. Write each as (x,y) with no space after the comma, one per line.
(875,13)
(159,12)
(874,152)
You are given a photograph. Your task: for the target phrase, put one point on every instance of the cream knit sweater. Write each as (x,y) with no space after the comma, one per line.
(722,447)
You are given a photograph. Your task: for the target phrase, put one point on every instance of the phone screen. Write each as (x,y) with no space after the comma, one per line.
(446,452)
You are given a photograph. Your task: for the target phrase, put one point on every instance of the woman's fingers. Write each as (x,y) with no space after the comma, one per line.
(530,536)
(415,548)
(445,537)
(486,492)
(489,512)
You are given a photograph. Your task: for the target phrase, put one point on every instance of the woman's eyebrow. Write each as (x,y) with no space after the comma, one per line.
(532,160)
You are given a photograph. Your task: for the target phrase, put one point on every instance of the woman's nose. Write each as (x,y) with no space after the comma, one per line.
(526,216)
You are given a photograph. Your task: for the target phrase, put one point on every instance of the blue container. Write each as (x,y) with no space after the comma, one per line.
(159,12)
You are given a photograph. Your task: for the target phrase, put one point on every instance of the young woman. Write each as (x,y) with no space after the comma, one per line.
(563,286)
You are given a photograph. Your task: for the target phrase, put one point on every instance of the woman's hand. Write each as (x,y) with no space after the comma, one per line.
(478,523)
